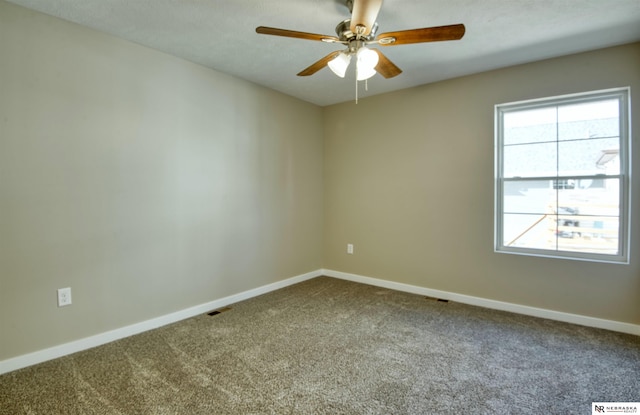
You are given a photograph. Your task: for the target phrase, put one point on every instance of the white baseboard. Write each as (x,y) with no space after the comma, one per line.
(493,304)
(40,356)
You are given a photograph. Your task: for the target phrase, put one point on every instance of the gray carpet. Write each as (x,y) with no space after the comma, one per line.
(328,346)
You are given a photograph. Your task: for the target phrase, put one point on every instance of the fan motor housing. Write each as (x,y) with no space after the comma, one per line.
(343,30)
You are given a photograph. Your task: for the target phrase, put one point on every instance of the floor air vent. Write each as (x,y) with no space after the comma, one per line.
(441,300)
(218,311)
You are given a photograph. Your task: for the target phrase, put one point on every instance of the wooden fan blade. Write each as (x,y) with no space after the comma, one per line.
(315,67)
(365,13)
(385,67)
(263,30)
(428,34)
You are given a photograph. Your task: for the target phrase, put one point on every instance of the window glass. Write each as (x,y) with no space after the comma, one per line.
(589,157)
(588,120)
(530,126)
(527,160)
(529,196)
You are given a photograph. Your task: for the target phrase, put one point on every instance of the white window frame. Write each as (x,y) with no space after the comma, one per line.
(623,95)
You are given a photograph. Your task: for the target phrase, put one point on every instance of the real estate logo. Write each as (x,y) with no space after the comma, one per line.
(615,408)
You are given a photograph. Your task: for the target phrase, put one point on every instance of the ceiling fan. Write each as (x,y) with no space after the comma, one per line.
(357,33)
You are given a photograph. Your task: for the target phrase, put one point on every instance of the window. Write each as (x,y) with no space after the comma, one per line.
(562,177)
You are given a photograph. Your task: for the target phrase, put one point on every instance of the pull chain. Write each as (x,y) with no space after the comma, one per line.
(356,85)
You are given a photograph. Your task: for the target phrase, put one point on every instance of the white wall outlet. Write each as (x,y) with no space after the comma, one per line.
(350,249)
(64,296)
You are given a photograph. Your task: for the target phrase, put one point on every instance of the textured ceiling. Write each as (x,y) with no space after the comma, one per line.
(221,34)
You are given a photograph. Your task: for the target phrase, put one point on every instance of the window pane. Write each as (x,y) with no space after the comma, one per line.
(529,231)
(529,160)
(529,196)
(590,234)
(530,126)
(589,157)
(589,120)
(592,197)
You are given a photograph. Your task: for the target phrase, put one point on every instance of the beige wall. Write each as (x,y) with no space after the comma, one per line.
(409,181)
(149,185)
(146,183)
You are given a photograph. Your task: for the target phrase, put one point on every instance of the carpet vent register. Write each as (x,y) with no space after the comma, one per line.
(440,300)
(218,311)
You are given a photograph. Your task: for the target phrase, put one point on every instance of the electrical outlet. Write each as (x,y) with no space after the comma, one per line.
(64,296)
(350,249)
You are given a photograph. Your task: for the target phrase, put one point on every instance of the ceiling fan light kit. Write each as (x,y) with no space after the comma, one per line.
(366,63)
(339,64)
(357,33)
